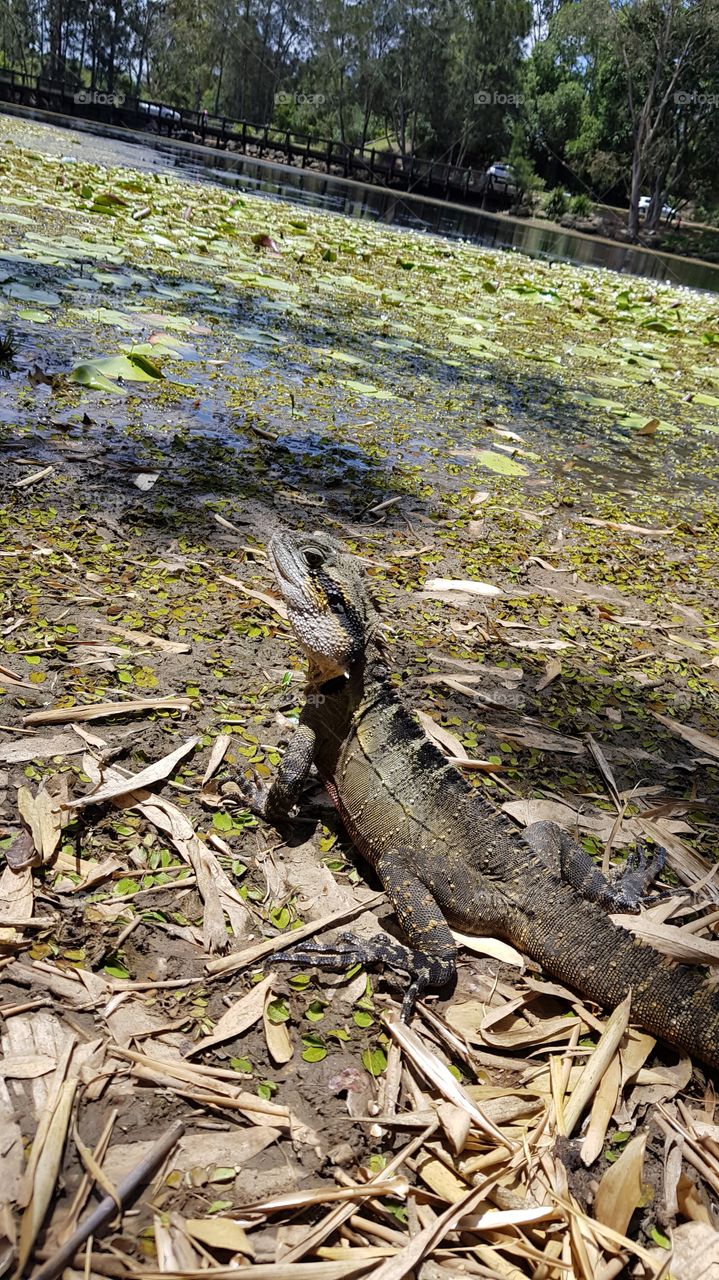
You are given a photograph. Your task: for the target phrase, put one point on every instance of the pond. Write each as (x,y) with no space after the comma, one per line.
(358,200)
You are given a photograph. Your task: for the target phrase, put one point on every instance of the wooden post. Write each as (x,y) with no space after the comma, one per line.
(329,156)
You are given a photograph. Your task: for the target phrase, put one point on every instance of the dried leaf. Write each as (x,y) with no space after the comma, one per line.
(244,1013)
(602,1109)
(101,710)
(217,755)
(552,671)
(145,639)
(32,748)
(138,781)
(442,1078)
(442,737)
(493,947)
(702,741)
(620,1189)
(274,602)
(670,940)
(647,532)
(470,585)
(588,1082)
(219,1233)
(279,1045)
(46,1169)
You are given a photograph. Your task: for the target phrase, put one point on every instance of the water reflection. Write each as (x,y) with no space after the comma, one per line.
(418,213)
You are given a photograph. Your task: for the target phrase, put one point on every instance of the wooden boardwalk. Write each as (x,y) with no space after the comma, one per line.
(261,141)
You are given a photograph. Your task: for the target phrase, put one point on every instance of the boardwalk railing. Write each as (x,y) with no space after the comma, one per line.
(263,141)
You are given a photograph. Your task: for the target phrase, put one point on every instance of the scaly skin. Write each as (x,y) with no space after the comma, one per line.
(444,854)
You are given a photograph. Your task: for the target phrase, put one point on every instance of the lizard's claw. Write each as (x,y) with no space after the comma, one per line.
(630,889)
(253,794)
(349,949)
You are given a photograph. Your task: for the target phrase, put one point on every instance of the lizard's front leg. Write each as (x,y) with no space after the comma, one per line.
(275,801)
(431,958)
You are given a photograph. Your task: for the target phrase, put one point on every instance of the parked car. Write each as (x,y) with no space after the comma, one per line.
(500,177)
(160,115)
(668,211)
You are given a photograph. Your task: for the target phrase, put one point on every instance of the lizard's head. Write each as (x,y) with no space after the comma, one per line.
(327,602)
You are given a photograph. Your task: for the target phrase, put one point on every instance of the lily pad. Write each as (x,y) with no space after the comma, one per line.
(500,463)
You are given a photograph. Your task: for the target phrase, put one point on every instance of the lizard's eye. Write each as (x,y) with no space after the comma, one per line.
(313,558)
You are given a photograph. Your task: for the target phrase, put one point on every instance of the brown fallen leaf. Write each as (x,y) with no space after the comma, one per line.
(442,737)
(679,944)
(620,1189)
(46,815)
(40,748)
(101,710)
(552,671)
(649,428)
(469,585)
(139,781)
(274,602)
(217,755)
(45,1167)
(625,528)
(279,1044)
(35,478)
(218,1233)
(695,1253)
(244,1013)
(702,741)
(602,1110)
(145,639)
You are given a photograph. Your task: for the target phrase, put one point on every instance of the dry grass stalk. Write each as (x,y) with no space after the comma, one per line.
(250,955)
(156,772)
(44,1169)
(594,1070)
(102,710)
(443,1080)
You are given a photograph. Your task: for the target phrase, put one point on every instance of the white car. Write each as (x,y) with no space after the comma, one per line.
(158,112)
(501,177)
(645,201)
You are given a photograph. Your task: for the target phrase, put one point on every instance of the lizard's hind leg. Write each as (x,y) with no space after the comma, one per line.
(628,892)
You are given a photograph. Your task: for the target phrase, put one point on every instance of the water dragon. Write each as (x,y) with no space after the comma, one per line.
(445,855)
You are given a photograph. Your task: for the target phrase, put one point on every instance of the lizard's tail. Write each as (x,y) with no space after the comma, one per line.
(581,947)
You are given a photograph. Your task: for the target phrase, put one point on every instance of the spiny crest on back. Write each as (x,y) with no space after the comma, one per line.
(327,600)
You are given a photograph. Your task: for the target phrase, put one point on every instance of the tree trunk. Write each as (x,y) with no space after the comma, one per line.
(635,191)
(219,81)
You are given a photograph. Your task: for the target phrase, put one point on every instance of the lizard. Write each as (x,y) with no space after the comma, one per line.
(448,857)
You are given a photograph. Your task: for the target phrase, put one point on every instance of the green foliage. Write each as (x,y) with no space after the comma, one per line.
(556,204)
(581,205)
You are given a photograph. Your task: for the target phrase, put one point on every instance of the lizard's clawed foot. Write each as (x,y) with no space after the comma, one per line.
(349,949)
(630,889)
(254,794)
